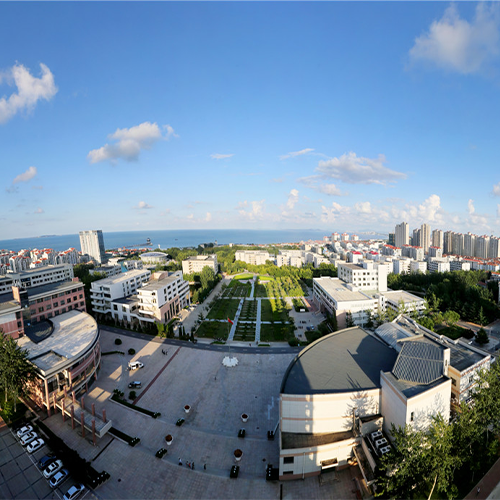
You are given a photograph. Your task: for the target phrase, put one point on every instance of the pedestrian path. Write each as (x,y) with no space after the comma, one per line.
(235,322)
(257,324)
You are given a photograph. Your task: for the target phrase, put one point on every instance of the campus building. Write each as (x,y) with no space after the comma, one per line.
(36,277)
(92,243)
(195,264)
(254,257)
(349,384)
(154,258)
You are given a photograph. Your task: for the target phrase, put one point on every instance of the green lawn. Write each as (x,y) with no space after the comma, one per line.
(237,289)
(223,309)
(260,291)
(213,330)
(275,333)
(274,310)
(243,276)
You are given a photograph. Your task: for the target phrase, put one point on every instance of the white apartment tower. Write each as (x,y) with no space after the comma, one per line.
(470,244)
(402,234)
(92,244)
(425,237)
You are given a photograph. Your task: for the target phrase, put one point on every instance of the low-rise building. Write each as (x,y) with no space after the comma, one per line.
(254,257)
(349,383)
(154,258)
(109,271)
(104,291)
(36,277)
(365,275)
(196,263)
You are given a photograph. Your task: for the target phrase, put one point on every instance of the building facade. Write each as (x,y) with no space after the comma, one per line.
(92,244)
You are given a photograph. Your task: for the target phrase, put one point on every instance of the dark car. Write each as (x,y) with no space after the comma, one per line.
(45,461)
(135,385)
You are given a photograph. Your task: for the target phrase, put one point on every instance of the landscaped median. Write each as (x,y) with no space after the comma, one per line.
(116,397)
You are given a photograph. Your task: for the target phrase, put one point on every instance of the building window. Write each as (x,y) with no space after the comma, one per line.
(453,382)
(287,472)
(56,304)
(288,460)
(62,302)
(411,417)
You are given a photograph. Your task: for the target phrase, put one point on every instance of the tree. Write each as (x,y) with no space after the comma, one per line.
(426,322)
(451,318)
(16,372)
(482,336)
(481,317)
(348,320)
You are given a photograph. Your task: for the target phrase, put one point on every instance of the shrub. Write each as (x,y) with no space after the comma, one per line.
(131,351)
(293,342)
(118,341)
(468,334)
(132,395)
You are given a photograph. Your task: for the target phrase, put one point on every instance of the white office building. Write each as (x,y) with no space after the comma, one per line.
(195,264)
(254,257)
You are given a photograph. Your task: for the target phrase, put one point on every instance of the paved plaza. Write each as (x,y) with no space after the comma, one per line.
(217,395)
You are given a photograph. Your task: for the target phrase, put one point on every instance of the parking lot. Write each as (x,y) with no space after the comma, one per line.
(20,478)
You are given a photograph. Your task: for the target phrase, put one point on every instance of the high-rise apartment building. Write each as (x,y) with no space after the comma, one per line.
(448,242)
(494,251)
(416,239)
(458,244)
(402,234)
(438,238)
(482,247)
(425,237)
(470,244)
(92,244)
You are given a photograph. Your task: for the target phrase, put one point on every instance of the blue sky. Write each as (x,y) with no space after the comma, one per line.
(339,116)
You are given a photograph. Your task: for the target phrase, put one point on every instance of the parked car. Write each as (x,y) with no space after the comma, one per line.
(46,460)
(59,478)
(74,492)
(28,437)
(24,430)
(135,385)
(52,469)
(135,365)
(35,445)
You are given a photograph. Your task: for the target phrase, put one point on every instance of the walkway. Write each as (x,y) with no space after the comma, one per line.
(257,322)
(235,322)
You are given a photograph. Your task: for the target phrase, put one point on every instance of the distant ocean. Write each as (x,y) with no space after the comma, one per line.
(174,238)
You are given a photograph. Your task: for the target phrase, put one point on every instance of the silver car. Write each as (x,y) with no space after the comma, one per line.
(23,430)
(28,437)
(52,469)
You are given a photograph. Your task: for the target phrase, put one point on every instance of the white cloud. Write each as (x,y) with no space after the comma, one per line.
(38,211)
(256,211)
(217,156)
(208,217)
(293,198)
(352,169)
(470,207)
(455,44)
(363,207)
(29,90)
(130,142)
(496,189)
(498,210)
(296,153)
(190,216)
(315,182)
(25,176)
(170,132)
(142,205)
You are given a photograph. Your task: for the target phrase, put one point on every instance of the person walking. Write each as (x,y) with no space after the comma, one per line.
(180,461)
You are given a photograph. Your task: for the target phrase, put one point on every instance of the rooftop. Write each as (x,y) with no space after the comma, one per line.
(400,295)
(345,361)
(120,277)
(154,285)
(411,389)
(339,290)
(74,332)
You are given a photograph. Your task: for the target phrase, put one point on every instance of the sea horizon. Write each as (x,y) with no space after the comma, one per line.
(181,238)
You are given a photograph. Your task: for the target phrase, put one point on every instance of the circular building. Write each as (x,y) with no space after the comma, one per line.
(154,258)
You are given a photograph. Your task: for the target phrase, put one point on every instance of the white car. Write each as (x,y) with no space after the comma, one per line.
(135,365)
(74,492)
(52,469)
(23,430)
(35,445)
(58,478)
(28,437)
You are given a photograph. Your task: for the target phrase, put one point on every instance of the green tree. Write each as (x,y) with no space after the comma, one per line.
(16,372)
(348,320)
(451,318)
(482,336)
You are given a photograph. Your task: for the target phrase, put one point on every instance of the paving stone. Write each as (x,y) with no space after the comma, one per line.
(27,494)
(23,461)
(17,484)
(5,491)
(9,470)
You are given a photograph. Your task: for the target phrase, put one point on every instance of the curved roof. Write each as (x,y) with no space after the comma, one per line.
(154,255)
(345,361)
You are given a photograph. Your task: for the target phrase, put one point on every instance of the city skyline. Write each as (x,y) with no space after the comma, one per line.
(333,116)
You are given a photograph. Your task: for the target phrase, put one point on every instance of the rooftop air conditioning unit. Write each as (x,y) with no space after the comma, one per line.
(384,450)
(376,435)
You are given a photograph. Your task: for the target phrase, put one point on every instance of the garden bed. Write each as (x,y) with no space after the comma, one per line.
(223,309)
(117,399)
(213,330)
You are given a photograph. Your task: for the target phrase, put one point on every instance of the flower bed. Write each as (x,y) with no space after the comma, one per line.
(118,399)
(132,441)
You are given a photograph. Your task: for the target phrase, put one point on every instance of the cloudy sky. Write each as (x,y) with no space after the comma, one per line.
(339,116)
